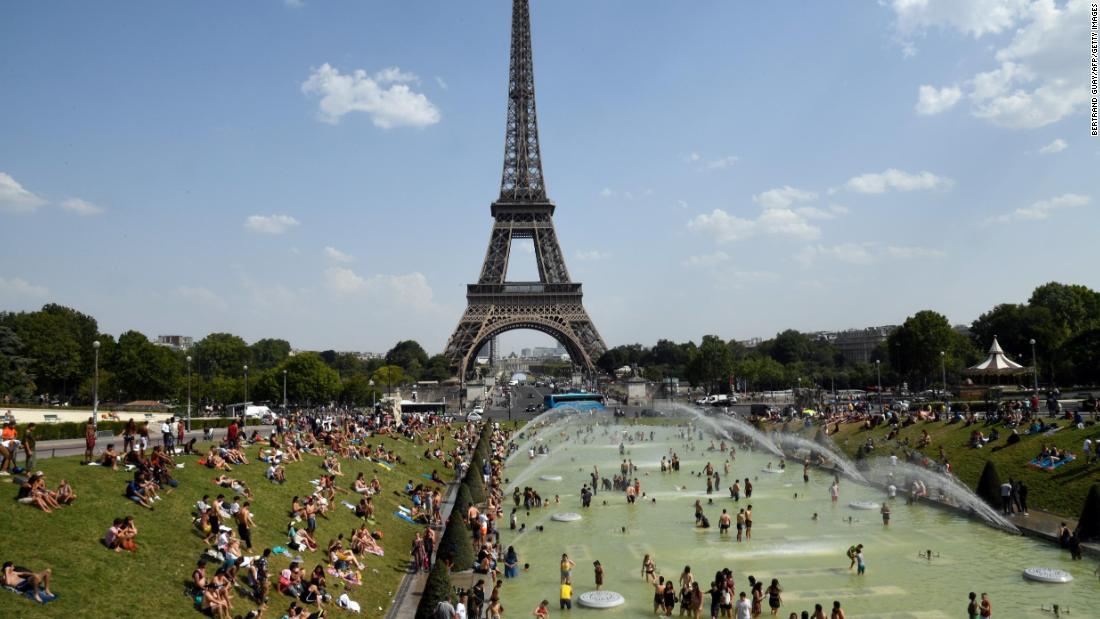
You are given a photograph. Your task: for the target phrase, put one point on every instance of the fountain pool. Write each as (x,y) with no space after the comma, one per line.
(806,555)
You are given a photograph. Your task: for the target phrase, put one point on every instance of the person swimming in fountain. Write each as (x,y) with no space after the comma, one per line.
(806,471)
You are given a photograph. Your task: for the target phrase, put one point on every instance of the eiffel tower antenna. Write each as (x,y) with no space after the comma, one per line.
(522,179)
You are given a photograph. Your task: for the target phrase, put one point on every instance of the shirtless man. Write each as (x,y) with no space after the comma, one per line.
(723,523)
(23,581)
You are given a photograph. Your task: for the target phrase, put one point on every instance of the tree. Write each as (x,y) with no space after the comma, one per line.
(141,369)
(989,485)
(456,547)
(915,347)
(268,353)
(309,380)
(438,368)
(1075,307)
(436,590)
(1089,524)
(58,340)
(1014,326)
(16,380)
(1081,357)
(388,376)
(357,391)
(711,365)
(221,354)
(409,355)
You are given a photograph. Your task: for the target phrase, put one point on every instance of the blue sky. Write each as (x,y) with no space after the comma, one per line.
(322,171)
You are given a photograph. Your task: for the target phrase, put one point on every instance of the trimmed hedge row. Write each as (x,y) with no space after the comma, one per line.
(74,429)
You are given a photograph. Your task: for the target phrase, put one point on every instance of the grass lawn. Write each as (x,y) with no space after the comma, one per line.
(1061,491)
(92,581)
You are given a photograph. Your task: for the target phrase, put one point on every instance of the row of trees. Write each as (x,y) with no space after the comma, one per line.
(1063,320)
(50,353)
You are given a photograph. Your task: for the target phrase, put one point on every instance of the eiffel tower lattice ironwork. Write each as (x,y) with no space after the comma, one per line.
(551,305)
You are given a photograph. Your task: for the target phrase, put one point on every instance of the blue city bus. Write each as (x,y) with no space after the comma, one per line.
(578,400)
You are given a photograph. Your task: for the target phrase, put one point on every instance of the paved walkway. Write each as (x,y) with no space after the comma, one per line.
(75,446)
(411,589)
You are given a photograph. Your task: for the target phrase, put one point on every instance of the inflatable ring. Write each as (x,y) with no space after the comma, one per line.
(1047,574)
(566,517)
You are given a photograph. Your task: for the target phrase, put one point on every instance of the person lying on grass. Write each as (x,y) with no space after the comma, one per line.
(342,557)
(233,455)
(24,581)
(235,484)
(215,461)
(300,539)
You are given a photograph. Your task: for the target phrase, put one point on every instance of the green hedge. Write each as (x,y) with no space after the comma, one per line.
(437,589)
(989,486)
(74,429)
(457,546)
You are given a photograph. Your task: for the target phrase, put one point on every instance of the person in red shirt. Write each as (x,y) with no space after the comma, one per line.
(231,434)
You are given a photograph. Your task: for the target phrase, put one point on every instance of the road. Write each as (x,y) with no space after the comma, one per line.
(523,396)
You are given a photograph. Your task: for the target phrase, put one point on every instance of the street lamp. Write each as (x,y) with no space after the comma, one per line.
(1034,368)
(373,404)
(284,390)
(188,393)
(943,375)
(878,379)
(95,387)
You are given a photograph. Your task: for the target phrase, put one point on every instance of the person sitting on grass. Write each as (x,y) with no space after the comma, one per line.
(215,599)
(300,539)
(121,535)
(65,494)
(365,509)
(215,461)
(276,474)
(28,496)
(136,493)
(110,457)
(23,581)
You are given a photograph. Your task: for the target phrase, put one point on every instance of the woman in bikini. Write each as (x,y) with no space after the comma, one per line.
(649,570)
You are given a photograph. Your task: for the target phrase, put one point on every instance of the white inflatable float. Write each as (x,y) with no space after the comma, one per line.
(864,505)
(566,517)
(550,477)
(1047,574)
(600,599)
(773,471)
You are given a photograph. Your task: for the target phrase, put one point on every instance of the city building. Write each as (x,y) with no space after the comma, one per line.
(175,342)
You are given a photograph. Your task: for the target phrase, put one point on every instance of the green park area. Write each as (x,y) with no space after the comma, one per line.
(92,581)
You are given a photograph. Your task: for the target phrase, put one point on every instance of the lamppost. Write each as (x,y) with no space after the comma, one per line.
(244,410)
(878,379)
(372,402)
(95,387)
(943,375)
(284,390)
(1034,369)
(188,393)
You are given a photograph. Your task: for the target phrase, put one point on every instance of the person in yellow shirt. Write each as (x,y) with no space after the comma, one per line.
(566,597)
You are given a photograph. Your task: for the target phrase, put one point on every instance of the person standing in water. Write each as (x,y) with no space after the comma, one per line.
(852,552)
(723,523)
(567,566)
(740,523)
(985,609)
(735,490)
(748,488)
(885,514)
(806,471)
(972,606)
(748,523)
(599,574)
(834,490)
(775,599)
(649,569)
(861,565)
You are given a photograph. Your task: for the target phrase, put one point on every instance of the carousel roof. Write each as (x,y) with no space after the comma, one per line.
(997,362)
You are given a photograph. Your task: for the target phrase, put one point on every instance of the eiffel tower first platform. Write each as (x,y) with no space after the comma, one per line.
(553,304)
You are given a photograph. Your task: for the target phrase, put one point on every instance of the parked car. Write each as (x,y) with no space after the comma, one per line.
(474,415)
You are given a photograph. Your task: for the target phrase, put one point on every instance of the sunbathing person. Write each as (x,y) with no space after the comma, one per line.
(300,538)
(235,484)
(365,509)
(22,580)
(65,494)
(28,495)
(360,485)
(276,473)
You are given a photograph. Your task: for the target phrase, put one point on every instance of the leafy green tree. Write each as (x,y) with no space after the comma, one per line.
(221,354)
(389,376)
(1014,326)
(1081,356)
(268,353)
(711,365)
(357,391)
(309,379)
(1075,307)
(143,370)
(437,589)
(347,364)
(408,355)
(915,347)
(16,380)
(52,339)
(989,485)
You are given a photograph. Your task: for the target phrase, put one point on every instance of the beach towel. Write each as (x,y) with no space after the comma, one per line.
(348,603)
(347,505)
(1047,465)
(404,517)
(46,599)
(384,465)
(404,509)
(350,577)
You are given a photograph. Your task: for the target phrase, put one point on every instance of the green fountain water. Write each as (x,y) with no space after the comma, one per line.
(806,555)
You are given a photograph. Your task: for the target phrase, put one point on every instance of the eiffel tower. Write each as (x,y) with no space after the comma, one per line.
(551,305)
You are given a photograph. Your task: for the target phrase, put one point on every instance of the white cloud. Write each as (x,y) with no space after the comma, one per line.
(907,253)
(81,207)
(1057,146)
(202,296)
(783,197)
(773,221)
(592,255)
(932,100)
(15,199)
(15,287)
(442,84)
(411,290)
(1042,209)
(974,17)
(722,162)
(707,261)
(607,192)
(812,212)
(338,256)
(898,180)
(850,253)
(838,209)
(270,224)
(1039,78)
(385,97)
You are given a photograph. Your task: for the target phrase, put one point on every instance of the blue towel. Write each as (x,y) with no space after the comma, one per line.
(404,517)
